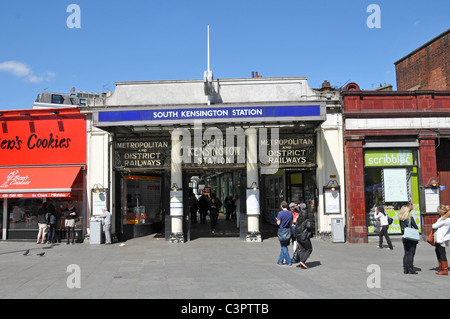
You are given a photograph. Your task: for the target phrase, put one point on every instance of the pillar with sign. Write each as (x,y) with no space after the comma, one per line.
(176,193)
(252,200)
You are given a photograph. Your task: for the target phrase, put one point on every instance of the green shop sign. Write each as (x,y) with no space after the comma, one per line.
(374,158)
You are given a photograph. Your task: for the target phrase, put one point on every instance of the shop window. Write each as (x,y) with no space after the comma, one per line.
(143,199)
(391,180)
(23,212)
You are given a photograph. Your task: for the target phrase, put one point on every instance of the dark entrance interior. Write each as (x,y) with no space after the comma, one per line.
(230,187)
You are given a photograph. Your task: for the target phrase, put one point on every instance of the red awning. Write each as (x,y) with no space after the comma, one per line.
(37,181)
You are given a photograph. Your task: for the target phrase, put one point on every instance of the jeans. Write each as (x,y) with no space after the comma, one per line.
(213,217)
(51,234)
(284,254)
(409,247)
(384,232)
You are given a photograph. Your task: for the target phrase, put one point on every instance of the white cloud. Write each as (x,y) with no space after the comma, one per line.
(22,70)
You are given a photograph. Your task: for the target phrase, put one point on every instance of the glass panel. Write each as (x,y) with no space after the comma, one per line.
(143,199)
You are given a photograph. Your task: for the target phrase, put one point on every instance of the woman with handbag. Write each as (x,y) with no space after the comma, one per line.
(409,245)
(284,220)
(442,238)
(383,217)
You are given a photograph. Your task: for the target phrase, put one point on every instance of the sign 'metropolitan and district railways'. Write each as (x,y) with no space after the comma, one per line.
(155,152)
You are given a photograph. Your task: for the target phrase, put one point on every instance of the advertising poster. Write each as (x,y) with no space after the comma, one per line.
(332,201)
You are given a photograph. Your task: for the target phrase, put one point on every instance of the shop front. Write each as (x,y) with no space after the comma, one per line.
(395,155)
(391,180)
(42,160)
(252,143)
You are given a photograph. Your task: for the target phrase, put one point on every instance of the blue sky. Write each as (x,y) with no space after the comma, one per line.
(139,40)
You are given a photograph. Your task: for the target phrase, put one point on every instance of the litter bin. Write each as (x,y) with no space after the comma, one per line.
(337,230)
(95,237)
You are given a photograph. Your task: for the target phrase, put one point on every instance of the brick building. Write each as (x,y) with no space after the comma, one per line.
(396,145)
(427,68)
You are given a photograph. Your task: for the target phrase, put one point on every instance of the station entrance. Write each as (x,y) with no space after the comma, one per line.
(225,187)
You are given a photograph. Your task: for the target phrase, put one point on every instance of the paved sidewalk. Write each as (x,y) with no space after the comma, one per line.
(214,268)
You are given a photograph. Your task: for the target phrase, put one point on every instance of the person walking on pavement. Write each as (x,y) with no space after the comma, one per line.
(52,220)
(107,225)
(203,204)
(214,207)
(294,210)
(237,203)
(409,246)
(71,218)
(442,238)
(193,206)
(303,232)
(382,216)
(284,221)
(42,223)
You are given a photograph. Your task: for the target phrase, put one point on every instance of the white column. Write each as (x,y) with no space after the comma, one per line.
(5,218)
(253,233)
(176,179)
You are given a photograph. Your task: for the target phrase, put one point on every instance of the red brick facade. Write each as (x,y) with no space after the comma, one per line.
(372,105)
(427,68)
(356,211)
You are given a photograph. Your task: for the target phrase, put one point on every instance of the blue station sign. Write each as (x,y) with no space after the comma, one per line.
(215,114)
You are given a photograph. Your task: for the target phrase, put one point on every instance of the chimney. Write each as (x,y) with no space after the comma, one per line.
(326,86)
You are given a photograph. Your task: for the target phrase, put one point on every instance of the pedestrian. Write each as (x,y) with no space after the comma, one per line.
(303,232)
(294,210)
(409,246)
(284,221)
(203,205)
(106,215)
(383,218)
(52,220)
(193,206)
(441,238)
(42,223)
(229,207)
(214,208)
(302,205)
(237,203)
(71,218)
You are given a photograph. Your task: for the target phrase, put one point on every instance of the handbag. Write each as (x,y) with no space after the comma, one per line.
(390,220)
(430,238)
(284,234)
(411,233)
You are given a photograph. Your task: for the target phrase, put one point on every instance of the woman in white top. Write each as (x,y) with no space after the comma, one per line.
(442,238)
(382,216)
